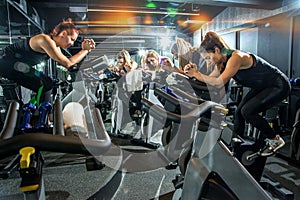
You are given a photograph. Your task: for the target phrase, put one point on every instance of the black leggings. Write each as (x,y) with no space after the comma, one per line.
(32,80)
(257,101)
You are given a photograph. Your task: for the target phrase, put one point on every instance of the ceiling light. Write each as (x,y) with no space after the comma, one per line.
(123,41)
(188,21)
(142,12)
(76,9)
(172,12)
(151,5)
(123,26)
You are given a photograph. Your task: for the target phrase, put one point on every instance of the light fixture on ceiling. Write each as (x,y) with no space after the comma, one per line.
(195,7)
(78,9)
(95,25)
(151,4)
(124,41)
(85,9)
(189,21)
(142,12)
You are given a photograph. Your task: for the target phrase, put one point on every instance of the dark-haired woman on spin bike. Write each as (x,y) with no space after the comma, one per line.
(268,86)
(17,60)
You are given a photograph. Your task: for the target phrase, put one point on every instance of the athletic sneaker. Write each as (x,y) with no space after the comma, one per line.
(272,145)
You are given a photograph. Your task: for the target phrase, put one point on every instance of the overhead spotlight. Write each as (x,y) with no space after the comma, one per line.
(266,25)
(75,9)
(169,12)
(174,4)
(172,11)
(82,15)
(141,52)
(80,11)
(151,4)
(195,7)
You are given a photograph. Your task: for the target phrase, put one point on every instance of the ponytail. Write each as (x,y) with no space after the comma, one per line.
(212,40)
(67,25)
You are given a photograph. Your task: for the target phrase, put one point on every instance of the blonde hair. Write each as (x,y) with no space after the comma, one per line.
(149,54)
(153,54)
(126,56)
(184,50)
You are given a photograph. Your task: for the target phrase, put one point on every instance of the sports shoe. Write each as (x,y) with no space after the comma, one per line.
(272,145)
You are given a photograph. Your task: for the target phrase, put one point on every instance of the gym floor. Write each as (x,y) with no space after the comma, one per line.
(284,172)
(285,178)
(66,177)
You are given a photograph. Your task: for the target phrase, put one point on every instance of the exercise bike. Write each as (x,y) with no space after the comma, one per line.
(210,170)
(26,148)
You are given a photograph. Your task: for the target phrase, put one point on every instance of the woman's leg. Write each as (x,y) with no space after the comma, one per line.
(261,102)
(32,80)
(239,120)
(252,109)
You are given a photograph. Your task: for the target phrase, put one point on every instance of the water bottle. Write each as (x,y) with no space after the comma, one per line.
(28,110)
(44,110)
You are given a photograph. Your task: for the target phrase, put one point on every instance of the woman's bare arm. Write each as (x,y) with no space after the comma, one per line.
(43,43)
(231,69)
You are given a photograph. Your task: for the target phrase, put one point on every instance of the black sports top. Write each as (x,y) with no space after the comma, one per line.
(21,51)
(260,75)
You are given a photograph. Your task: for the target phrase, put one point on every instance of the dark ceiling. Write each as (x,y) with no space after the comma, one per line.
(111,19)
(101,19)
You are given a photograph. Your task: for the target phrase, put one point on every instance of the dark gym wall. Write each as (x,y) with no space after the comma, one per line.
(295,68)
(270,39)
(273,41)
(248,40)
(296,47)
(230,39)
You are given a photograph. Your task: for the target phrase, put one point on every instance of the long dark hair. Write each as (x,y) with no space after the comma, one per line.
(211,41)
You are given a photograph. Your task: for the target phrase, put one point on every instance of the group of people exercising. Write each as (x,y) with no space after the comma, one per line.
(268,85)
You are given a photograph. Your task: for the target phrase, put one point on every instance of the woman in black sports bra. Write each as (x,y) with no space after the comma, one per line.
(268,85)
(17,60)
